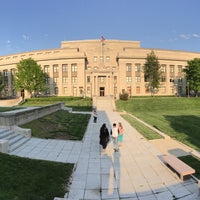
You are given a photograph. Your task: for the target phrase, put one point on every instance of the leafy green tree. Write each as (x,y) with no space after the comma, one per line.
(152,71)
(29,76)
(192,71)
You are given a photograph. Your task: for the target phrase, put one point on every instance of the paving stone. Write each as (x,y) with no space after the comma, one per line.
(136,172)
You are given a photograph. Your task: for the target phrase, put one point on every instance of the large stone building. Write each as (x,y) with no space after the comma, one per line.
(101,68)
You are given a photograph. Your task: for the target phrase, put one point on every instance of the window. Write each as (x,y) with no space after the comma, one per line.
(95,58)
(128,79)
(65,90)
(137,67)
(47,80)
(163,79)
(101,79)
(5,73)
(64,79)
(55,80)
(107,58)
(64,68)
(74,79)
(138,90)
(171,68)
(180,68)
(81,91)
(171,79)
(163,68)
(128,67)
(138,79)
(46,69)
(56,90)
(88,79)
(74,68)
(129,90)
(74,91)
(179,80)
(55,68)
(88,90)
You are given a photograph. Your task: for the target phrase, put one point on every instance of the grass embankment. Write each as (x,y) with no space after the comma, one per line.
(6,109)
(76,103)
(177,117)
(27,179)
(145,131)
(192,162)
(59,125)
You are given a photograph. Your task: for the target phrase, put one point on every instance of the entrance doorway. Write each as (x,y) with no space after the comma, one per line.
(102,91)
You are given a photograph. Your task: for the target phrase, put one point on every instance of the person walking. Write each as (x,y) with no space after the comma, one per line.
(120,134)
(114,133)
(104,136)
(94,116)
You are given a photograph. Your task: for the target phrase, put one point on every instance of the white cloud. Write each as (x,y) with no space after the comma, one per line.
(196,35)
(8,42)
(189,36)
(25,37)
(185,36)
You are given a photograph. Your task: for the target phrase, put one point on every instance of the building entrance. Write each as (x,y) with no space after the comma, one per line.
(102,91)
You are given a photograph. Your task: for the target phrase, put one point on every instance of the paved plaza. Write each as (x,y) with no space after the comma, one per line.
(134,173)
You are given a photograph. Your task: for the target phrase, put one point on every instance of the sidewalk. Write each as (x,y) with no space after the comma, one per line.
(134,173)
(10,102)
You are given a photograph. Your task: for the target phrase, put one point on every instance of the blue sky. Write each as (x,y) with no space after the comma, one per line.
(28,25)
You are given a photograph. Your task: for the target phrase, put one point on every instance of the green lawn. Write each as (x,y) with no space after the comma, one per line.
(5,109)
(59,125)
(176,117)
(193,162)
(27,179)
(76,103)
(145,131)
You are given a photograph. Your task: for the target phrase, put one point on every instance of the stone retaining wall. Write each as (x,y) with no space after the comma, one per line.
(22,116)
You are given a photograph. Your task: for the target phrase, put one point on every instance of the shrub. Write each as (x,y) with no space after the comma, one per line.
(124,96)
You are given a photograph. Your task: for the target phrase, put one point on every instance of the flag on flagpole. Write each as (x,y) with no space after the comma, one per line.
(102,39)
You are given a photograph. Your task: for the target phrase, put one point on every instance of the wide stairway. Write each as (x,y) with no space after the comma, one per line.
(15,140)
(104,103)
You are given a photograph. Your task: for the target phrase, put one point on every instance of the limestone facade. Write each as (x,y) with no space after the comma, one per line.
(95,68)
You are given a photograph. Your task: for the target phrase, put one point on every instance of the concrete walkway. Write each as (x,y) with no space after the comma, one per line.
(10,102)
(134,173)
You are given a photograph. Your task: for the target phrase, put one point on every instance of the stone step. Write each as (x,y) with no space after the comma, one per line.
(15,140)
(18,144)
(5,133)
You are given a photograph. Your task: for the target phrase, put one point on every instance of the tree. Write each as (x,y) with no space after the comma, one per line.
(192,71)
(152,71)
(30,77)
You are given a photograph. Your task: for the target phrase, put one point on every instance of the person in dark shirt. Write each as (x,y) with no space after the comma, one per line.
(104,137)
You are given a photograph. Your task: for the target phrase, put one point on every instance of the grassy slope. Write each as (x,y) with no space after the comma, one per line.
(177,117)
(27,179)
(59,125)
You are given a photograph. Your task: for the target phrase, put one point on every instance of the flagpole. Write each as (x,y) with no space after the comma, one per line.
(102,43)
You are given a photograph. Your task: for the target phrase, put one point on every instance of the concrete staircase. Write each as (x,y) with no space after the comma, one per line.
(15,140)
(104,103)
